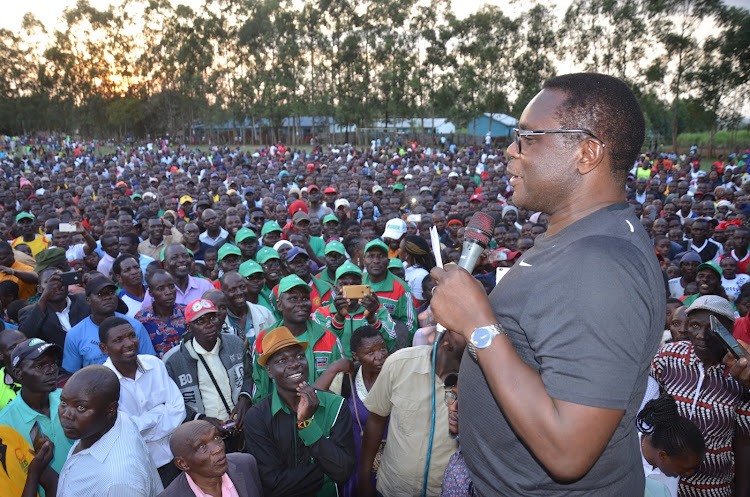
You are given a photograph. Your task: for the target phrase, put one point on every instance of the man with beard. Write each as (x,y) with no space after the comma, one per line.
(247,319)
(324,351)
(82,342)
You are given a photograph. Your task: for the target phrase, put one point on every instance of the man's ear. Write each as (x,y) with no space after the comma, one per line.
(112,409)
(181,464)
(16,374)
(591,155)
(103,348)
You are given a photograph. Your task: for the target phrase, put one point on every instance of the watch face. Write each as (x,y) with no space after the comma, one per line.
(481,338)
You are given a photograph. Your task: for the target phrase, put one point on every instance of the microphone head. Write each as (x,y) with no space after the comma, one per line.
(480,228)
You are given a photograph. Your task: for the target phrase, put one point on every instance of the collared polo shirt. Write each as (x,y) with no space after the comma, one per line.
(19,416)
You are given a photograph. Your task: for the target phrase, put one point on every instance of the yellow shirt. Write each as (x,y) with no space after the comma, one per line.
(37,245)
(16,459)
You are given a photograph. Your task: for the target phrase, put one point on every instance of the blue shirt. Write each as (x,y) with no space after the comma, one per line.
(82,344)
(19,416)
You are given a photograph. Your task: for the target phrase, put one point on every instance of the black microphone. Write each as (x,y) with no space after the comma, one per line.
(477,236)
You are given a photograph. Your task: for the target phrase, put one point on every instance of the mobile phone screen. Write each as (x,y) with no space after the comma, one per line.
(36,435)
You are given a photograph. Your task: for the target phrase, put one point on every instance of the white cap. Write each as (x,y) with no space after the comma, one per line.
(453,174)
(713,303)
(338,203)
(394,229)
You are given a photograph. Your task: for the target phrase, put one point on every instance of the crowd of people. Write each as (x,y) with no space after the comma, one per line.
(233,322)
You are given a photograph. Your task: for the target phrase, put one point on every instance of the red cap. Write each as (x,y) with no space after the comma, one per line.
(476,196)
(297,205)
(198,308)
(310,167)
(330,189)
(312,187)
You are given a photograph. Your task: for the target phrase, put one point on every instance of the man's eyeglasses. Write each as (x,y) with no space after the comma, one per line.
(518,133)
(450,398)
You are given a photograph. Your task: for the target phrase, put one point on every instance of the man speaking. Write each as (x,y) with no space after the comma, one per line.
(560,351)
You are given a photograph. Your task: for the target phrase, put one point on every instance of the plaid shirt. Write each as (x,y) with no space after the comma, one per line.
(716,403)
(164,334)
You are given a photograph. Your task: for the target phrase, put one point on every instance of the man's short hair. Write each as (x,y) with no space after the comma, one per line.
(607,107)
(9,287)
(108,324)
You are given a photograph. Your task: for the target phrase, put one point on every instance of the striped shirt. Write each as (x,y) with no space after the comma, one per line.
(716,403)
(118,464)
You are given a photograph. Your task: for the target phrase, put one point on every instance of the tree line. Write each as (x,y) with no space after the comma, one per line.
(153,66)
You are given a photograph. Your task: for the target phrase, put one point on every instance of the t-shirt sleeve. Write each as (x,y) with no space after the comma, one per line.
(590,322)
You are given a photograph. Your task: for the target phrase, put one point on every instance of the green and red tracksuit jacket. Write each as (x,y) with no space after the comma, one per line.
(327,318)
(321,294)
(267,299)
(324,276)
(323,349)
(394,295)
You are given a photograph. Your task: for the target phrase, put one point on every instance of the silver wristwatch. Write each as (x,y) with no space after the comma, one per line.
(482,337)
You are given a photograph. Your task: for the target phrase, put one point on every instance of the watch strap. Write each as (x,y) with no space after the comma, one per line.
(497,328)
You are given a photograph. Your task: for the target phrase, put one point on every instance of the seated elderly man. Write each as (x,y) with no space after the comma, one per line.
(207,469)
(318,455)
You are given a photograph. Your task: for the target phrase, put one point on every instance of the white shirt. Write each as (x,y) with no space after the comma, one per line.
(206,238)
(64,317)
(75,252)
(118,464)
(414,276)
(154,403)
(213,406)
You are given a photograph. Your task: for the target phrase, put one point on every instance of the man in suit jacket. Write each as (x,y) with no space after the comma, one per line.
(55,313)
(198,451)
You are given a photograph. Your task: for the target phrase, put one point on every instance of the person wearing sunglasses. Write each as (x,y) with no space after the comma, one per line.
(581,361)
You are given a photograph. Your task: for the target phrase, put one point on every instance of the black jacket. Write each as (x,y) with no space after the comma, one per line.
(45,325)
(289,468)
(242,471)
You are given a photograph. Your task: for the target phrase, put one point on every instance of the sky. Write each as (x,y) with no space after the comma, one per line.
(48,11)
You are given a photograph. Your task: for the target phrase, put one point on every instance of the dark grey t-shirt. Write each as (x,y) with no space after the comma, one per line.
(585,309)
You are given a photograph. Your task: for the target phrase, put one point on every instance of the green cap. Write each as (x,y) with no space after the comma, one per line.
(711,265)
(135,196)
(394,263)
(291,281)
(48,257)
(161,254)
(266,253)
(243,234)
(249,267)
(269,227)
(398,186)
(348,268)
(376,243)
(335,246)
(330,218)
(25,215)
(228,249)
